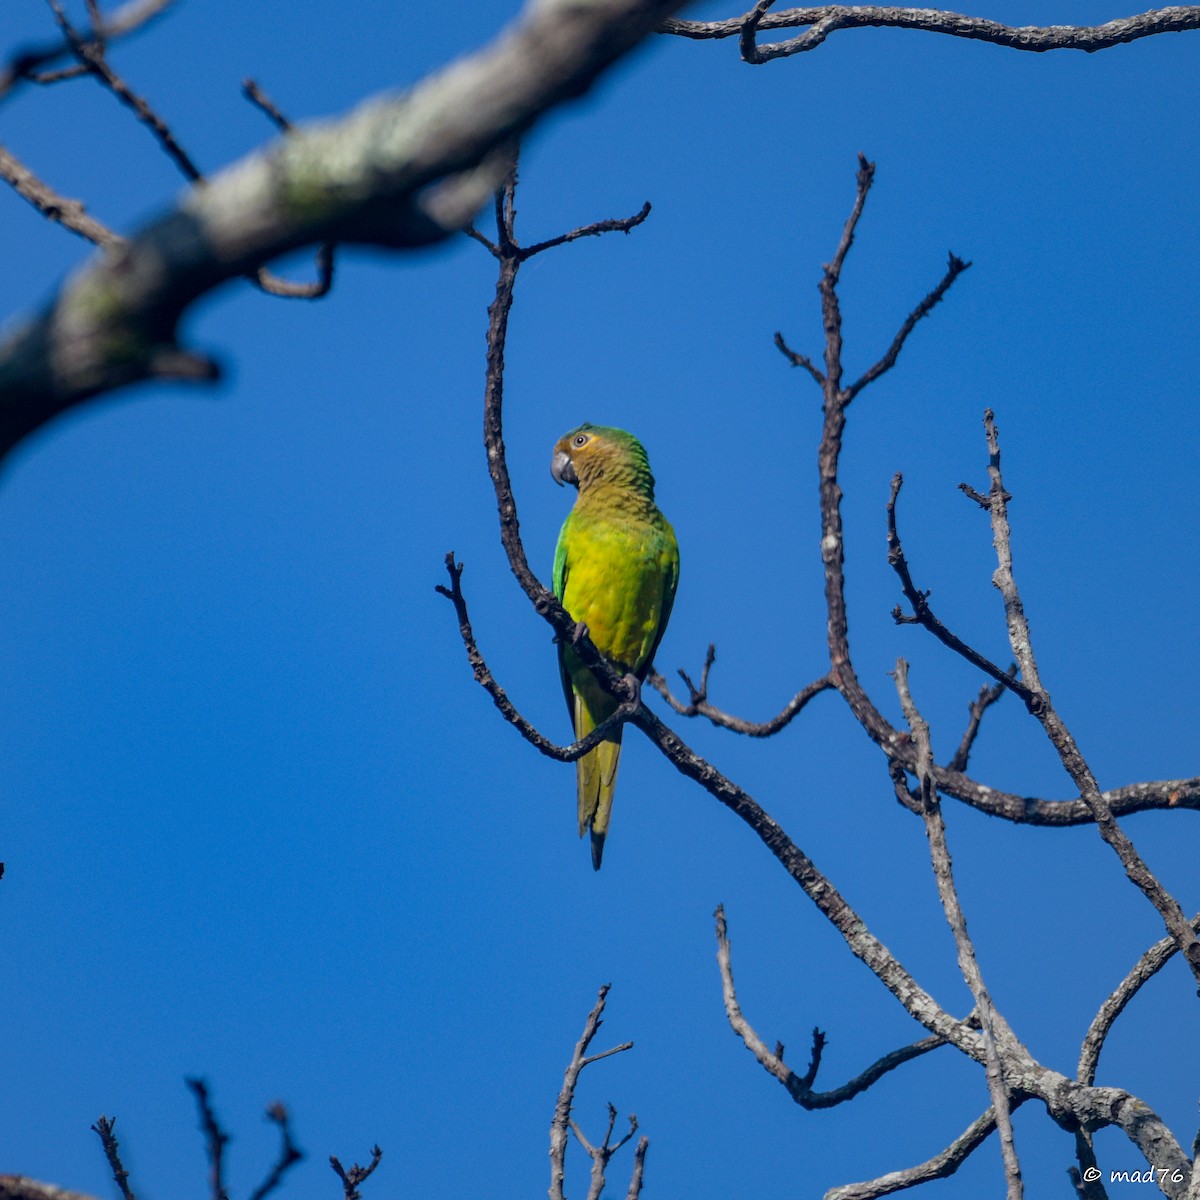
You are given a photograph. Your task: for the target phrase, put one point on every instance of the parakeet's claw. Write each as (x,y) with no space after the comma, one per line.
(581,631)
(634,684)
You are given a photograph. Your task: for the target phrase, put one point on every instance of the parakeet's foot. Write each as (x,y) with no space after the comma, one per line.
(581,631)
(634,684)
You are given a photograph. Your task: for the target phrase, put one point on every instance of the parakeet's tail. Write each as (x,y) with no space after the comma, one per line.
(596,777)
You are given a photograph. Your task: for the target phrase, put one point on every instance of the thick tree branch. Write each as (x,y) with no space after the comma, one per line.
(361,179)
(829,18)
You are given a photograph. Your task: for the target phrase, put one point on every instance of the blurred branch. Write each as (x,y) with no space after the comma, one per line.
(562,1112)
(357,1175)
(103,1129)
(828,18)
(273,284)
(26,66)
(70,214)
(289,1153)
(1060,737)
(21,1187)
(404,171)
(698,705)
(215,1139)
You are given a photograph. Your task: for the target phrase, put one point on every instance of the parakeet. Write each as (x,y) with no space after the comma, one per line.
(615,571)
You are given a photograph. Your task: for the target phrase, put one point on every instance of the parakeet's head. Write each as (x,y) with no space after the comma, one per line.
(594,454)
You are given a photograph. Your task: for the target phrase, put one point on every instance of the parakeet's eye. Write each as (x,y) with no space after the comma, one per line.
(580,439)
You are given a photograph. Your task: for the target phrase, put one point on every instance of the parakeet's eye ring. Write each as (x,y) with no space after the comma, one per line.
(580,439)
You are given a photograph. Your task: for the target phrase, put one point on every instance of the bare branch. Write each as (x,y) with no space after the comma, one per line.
(215,1139)
(800,1087)
(798,360)
(485,678)
(289,1153)
(365,178)
(1060,737)
(997,1036)
(357,1175)
(829,18)
(1142,971)
(954,269)
(103,1129)
(566,1098)
(923,615)
(21,1187)
(266,280)
(986,698)
(26,66)
(70,214)
(639,1167)
(940,1166)
(698,705)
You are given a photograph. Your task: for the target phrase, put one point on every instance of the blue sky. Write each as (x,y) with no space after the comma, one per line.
(261,826)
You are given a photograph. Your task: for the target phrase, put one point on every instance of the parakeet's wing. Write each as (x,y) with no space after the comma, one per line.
(559,584)
(668,601)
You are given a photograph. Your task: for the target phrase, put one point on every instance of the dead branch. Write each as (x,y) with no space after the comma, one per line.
(566,1098)
(21,1187)
(1060,737)
(986,698)
(800,1087)
(998,1038)
(103,1129)
(1142,971)
(70,214)
(940,1166)
(289,1153)
(828,18)
(698,705)
(353,1179)
(215,1139)
(428,158)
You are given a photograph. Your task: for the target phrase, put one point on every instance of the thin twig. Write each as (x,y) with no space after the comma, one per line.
(997,1035)
(103,1129)
(800,1087)
(215,1139)
(698,705)
(289,1153)
(1060,737)
(986,698)
(485,678)
(357,1175)
(70,214)
(1142,971)
(269,282)
(924,616)
(940,1166)
(566,1096)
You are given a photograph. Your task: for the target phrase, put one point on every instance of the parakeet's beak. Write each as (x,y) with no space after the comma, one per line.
(563,469)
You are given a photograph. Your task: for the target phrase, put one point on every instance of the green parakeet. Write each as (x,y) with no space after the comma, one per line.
(615,572)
